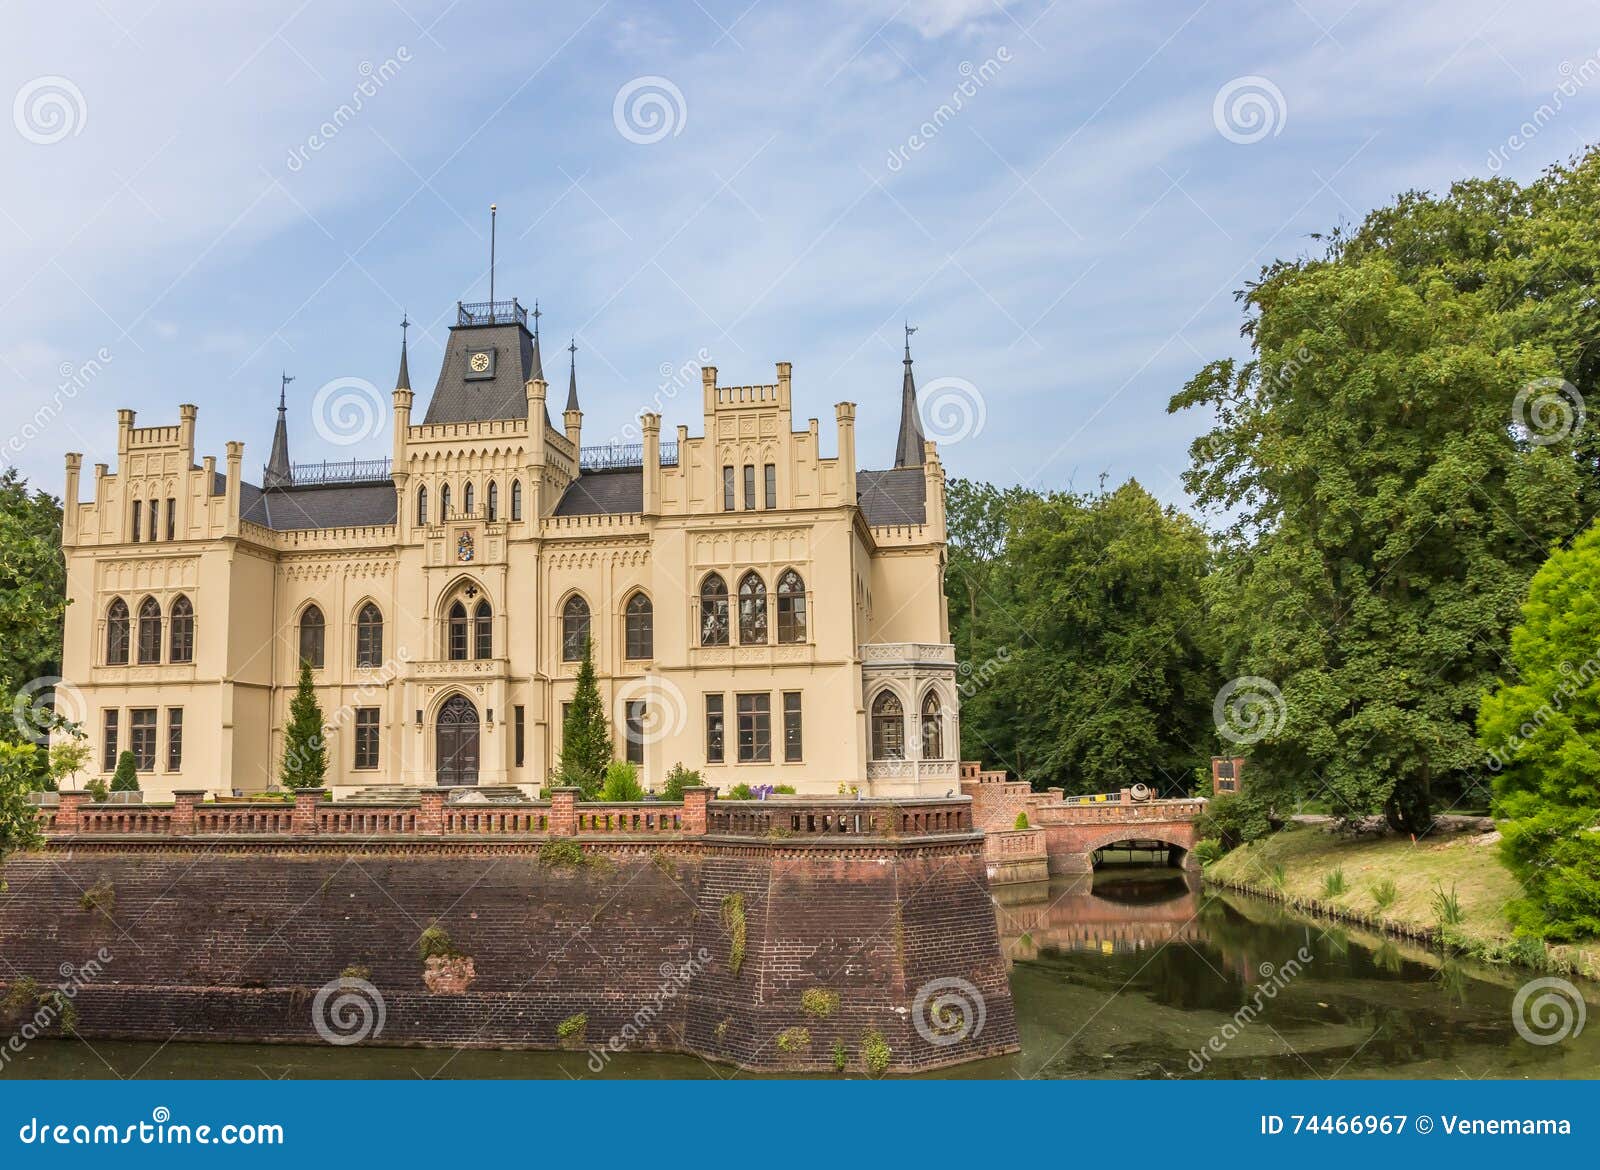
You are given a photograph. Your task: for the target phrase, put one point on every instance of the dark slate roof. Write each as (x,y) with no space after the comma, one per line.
(896,496)
(599,493)
(458,399)
(343,505)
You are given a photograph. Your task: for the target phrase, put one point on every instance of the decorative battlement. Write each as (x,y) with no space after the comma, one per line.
(491,313)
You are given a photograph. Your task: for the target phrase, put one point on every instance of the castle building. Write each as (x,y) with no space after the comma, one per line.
(757,610)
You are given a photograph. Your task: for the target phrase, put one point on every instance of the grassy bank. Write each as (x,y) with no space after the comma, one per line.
(1295,866)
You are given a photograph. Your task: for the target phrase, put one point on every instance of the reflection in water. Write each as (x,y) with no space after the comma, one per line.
(1130,972)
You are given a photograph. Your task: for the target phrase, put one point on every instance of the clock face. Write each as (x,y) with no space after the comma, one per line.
(479,362)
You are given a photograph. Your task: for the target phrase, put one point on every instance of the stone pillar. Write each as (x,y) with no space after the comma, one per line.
(306,803)
(432,814)
(67,811)
(564,812)
(69,501)
(183,802)
(844,414)
(650,428)
(696,809)
(231,492)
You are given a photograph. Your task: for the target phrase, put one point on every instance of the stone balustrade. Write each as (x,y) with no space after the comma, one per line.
(563,815)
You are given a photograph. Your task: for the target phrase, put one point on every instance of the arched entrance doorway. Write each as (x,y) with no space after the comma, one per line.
(456,742)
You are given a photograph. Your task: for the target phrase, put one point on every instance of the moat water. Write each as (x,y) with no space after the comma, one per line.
(1130,974)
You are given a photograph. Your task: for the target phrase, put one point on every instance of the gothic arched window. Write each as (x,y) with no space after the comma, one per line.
(180,637)
(932,727)
(574,628)
(422,507)
(483,631)
(752,609)
(493,501)
(469,497)
(639,622)
(791,607)
(149,631)
(369,636)
(456,642)
(888,727)
(713,611)
(117,633)
(444,503)
(516,499)
(312,633)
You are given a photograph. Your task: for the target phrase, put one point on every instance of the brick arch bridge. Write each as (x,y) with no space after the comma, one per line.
(1066,834)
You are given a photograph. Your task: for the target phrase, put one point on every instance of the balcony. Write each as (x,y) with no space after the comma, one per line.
(346,471)
(908,654)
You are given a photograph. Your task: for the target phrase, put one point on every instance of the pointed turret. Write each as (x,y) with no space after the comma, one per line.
(536,369)
(908,450)
(278,472)
(572,377)
(402,380)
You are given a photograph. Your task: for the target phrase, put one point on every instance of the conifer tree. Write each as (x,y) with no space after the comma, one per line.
(126,777)
(585,735)
(305,754)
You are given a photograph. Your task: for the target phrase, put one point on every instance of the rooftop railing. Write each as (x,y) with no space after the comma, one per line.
(350,471)
(619,456)
(491,313)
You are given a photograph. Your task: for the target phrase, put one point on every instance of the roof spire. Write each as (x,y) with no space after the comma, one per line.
(537,368)
(908,450)
(403,380)
(572,382)
(278,472)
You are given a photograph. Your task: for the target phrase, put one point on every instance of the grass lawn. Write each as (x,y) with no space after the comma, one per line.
(1469,863)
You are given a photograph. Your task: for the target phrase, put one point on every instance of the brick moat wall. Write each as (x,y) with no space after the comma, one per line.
(226,942)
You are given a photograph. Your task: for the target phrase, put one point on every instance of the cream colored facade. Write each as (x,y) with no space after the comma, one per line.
(480,701)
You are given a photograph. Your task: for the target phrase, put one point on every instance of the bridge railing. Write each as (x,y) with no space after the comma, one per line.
(563,815)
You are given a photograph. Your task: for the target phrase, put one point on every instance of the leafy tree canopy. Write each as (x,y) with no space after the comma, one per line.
(1542,733)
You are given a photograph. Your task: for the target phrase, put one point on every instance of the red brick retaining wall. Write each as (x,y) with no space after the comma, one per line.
(233,937)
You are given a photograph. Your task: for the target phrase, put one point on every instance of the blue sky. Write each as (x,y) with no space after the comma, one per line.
(1068,241)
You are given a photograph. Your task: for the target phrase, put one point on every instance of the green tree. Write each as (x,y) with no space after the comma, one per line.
(621,783)
(1390,482)
(19,820)
(585,735)
(68,755)
(1542,733)
(677,780)
(126,777)
(33,599)
(1090,620)
(305,750)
